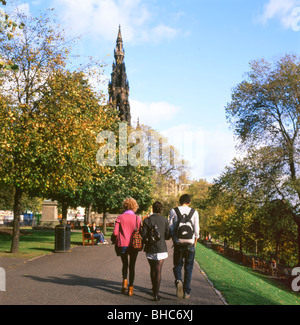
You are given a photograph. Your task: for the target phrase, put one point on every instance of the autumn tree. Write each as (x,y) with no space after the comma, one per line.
(75,111)
(256,182)
(124,181)
(169,168)
(50,117)
(199,192)
(7,27)
(35,51)
(264,113)
(106,192)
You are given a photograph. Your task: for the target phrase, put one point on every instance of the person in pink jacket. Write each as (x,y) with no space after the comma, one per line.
(125,225)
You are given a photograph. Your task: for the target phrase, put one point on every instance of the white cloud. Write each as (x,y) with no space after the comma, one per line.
(219,148)
(283,10)
(101,18)
(162,32)
(207,151)
(24,9)
(153,114)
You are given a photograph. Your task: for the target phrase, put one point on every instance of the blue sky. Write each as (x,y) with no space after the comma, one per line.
(183,57)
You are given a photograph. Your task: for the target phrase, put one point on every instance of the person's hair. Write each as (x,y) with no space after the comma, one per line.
(157,207)
(130,204)
(185,199)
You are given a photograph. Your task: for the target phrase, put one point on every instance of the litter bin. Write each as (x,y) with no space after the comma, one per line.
(62,238)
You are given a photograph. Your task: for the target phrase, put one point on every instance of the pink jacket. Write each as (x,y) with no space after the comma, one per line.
(124,228)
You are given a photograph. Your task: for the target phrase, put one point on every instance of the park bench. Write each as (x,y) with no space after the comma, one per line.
(264,266)
(87,237)
(255,263)
(220,249)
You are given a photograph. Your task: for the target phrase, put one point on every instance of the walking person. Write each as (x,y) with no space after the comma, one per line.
(125,226)
(184,227)
(155,232)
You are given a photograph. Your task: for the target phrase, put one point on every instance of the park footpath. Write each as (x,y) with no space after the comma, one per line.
(91,275)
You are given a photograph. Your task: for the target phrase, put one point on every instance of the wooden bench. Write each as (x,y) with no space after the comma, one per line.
(220,249)
(255,263)
(87,237)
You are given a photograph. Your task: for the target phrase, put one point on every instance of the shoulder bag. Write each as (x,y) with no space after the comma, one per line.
(137,238)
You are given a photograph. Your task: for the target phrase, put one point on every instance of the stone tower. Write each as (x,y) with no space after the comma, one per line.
(118,88)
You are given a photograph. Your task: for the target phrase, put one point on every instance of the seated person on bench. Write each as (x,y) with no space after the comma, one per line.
(98,234)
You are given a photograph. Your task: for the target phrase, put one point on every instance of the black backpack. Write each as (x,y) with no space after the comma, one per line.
(153,234)
(185,229)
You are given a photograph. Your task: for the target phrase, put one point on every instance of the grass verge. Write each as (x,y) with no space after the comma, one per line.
(241,285)
(34,243)
(238,284)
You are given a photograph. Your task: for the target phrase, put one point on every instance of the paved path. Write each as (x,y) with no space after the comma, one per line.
(91,275)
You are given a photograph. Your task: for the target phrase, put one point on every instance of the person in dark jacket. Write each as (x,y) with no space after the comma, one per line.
(155,232)
(98,234)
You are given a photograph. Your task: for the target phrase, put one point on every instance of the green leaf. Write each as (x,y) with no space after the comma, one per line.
(14,67)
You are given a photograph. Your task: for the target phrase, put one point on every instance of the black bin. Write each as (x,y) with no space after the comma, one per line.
(62,238)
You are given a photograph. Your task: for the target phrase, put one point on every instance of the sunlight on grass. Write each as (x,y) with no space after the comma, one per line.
(240,285)
(34,243)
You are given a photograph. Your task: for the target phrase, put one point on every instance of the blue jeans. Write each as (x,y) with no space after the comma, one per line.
(99,237)
(184,256)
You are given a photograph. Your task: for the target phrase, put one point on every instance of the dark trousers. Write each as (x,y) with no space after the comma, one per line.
(128,263)
(183,257)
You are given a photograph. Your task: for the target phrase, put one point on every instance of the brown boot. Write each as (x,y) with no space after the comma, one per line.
(130,291)
(124,286)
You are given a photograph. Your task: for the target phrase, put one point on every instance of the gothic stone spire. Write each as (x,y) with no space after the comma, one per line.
(118,88)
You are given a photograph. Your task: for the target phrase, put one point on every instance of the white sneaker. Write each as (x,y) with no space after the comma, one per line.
(179,289)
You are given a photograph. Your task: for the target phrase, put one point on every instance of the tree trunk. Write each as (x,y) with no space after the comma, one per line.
(64,212)
(104,221)
(16,221)
(297,220)
(87,217)
(241,246)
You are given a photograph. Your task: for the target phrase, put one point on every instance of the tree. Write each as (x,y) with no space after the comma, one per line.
(232,209)
(50,117)
(278,234)
(253,186)
(106,192)
(35,50)
(124,181)
(264,112)
(169,169)
(8,27)
(199,191)
(75,115)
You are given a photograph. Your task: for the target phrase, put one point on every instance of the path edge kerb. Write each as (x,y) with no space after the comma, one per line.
(218,293)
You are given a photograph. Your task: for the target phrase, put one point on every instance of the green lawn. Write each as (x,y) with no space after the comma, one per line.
(241,285)
(238,284)
(34,243)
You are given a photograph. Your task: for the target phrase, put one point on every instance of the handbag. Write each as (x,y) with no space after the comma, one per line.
(113,238)
(137,242)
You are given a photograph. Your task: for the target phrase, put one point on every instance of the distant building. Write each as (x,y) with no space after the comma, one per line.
(118,88)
